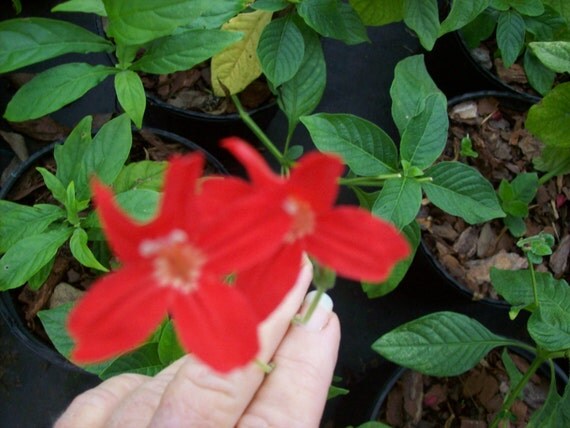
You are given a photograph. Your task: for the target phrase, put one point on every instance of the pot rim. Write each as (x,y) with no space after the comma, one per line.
(398,372)
(432,258)
(492,77)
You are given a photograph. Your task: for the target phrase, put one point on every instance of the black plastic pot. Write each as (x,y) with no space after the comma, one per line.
(206,129)
(398,372)
(7,308)
(456,71)
(512,101)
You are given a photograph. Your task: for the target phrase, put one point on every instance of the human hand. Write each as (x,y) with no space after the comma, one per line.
(189,394)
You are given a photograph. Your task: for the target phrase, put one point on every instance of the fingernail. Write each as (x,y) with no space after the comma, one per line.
(320,317)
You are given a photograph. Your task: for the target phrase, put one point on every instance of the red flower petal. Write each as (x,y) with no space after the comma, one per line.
(315,180)
(267,284)
(118,313)
(356,244)
(176,207)
(248,232)
(257,168)
(217,193)
(123,234)
(218,325)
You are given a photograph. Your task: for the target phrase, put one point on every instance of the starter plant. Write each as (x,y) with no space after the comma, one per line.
(392,180)
(508,25)
(507,31)
(199,265)
(446,344)
(242,39)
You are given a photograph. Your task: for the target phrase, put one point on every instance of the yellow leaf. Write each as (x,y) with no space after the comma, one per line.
(238,65)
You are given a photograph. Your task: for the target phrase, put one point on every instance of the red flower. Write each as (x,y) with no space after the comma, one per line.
(176,264)
(348,239)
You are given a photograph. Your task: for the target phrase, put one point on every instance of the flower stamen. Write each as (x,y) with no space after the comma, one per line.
(303,219)
(176,262)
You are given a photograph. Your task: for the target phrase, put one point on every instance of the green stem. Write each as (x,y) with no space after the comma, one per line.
(313,306)
(515,392)
(377,180)
(258,132)
(424,180)
(266,367)
(533,281)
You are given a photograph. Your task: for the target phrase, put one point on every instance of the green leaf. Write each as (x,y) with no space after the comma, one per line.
(377,13)
(527,7)
(334,19)
(364,147)
(422,16)
(80,250)
(217,13)
(413,235)
(169,348)
(539,76)
(335,391)
(425,135)
(55,323)
(462,12)
(549,326)
(399,201)
(481,28)
(140,203)
(541,417)
(549,119)
(561,6)
(27,256)
(20,221)
(86,6)
(281,50)
(234,68)
(131,95)
(555,55)
(510,36)
(553,159)
(546,27)
(270,5)
(106,155)
(438,344)
(184,51)
(135,23)
(17,6)
(300,95)
(412,84)
(54,88)
(69,154)
(40,277)
(140,175)
(515,376)
(461,190)
(26,41)
(525,186)
(143,360)
(54,185)
(516,286)
(516,225)
(372,424)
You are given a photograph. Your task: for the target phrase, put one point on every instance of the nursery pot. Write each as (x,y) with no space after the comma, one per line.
(475,385)
(456,70)
(449,268)
(9,310)
(204,128)
(493,79)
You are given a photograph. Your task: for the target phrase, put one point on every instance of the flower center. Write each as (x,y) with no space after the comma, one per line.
(176,262)
(303,219)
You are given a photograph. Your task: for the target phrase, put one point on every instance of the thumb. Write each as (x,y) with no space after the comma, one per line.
(295,392)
